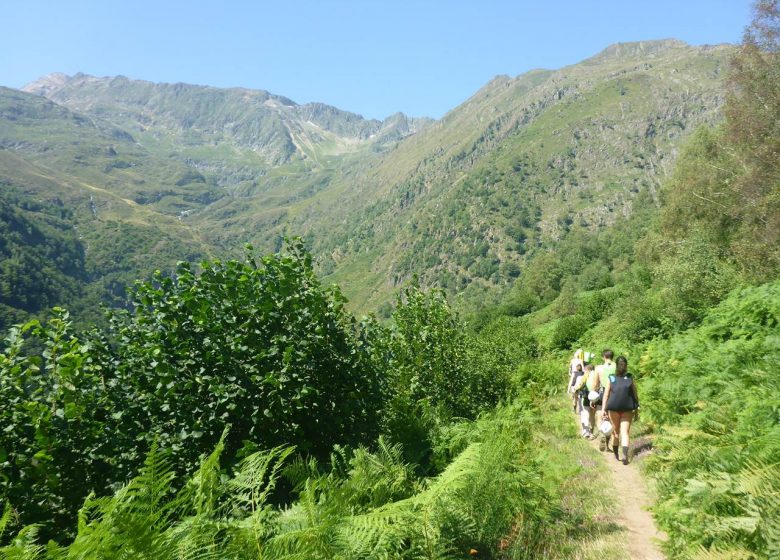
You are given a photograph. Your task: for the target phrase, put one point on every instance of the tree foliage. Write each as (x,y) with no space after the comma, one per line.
(436,372)
(55,443)
(726,183)
(258,345)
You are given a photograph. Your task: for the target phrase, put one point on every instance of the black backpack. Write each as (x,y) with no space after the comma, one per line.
(621,393)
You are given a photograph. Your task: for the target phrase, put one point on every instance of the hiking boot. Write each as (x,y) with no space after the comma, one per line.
(615,450)
(625,455)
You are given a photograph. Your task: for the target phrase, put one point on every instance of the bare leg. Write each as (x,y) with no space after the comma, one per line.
(625,430)
(614,418)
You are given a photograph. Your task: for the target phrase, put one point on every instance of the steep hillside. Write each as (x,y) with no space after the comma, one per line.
(41,259)
(520,166)
(465,203)
(69,181)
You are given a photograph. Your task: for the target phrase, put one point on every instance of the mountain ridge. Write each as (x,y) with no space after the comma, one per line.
(272,125)
(466,202)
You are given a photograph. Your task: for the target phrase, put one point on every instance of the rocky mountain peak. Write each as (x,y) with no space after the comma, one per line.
(45,85)
(634,49)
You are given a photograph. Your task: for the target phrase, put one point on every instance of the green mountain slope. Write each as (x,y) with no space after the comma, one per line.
(85,179)
(522,165)
(177,171)
(41,258)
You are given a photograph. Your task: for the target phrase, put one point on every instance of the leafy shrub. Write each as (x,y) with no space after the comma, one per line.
(496,352)
(596,305)
(568,330)
(520,303)
(594,276)
(258,345)
(711,392)
(425,360)
(427,352)
(53,407)
(436,373)
(643,317)
(693,278)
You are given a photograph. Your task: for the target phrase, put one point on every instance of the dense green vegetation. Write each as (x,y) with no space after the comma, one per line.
(41,258)
(239,410)
(189,361)
(711,393)
(246,356)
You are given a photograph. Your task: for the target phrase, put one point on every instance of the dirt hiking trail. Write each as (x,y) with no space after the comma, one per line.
(642,536)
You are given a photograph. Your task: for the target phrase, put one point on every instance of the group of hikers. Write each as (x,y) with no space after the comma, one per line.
(607,389)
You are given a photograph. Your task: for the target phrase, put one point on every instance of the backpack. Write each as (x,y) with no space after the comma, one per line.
(621,393)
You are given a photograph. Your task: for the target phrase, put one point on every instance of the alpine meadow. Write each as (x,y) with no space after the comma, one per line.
(239,327)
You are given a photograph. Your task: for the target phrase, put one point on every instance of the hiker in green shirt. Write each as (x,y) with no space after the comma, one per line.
(604,371)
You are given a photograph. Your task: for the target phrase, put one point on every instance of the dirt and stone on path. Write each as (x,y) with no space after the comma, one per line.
(633,501)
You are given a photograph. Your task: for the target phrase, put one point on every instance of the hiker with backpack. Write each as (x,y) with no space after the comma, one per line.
(578,359)
(588,391)
(575,371)
(604,372)
(621,406)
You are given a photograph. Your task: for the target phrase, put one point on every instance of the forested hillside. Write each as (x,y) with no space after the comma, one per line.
(73,178)
(238,408)
(41,258)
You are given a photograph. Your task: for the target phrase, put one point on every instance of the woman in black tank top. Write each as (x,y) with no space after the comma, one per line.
(620,404)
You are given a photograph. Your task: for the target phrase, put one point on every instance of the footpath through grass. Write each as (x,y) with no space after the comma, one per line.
(575,473)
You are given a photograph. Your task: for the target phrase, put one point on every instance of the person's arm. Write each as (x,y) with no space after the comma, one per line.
(597,372)
(636,394)
(604,401)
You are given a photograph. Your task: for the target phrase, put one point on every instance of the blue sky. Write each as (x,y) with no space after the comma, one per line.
(373,57)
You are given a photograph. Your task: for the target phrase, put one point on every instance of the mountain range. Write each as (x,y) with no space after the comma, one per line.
(131,176)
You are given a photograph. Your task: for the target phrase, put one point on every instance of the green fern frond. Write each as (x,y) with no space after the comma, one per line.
(759,480)
(204,488)
(299,470)
(256,478)
(722,554)
(7,518)
(131,523)
(24,546)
